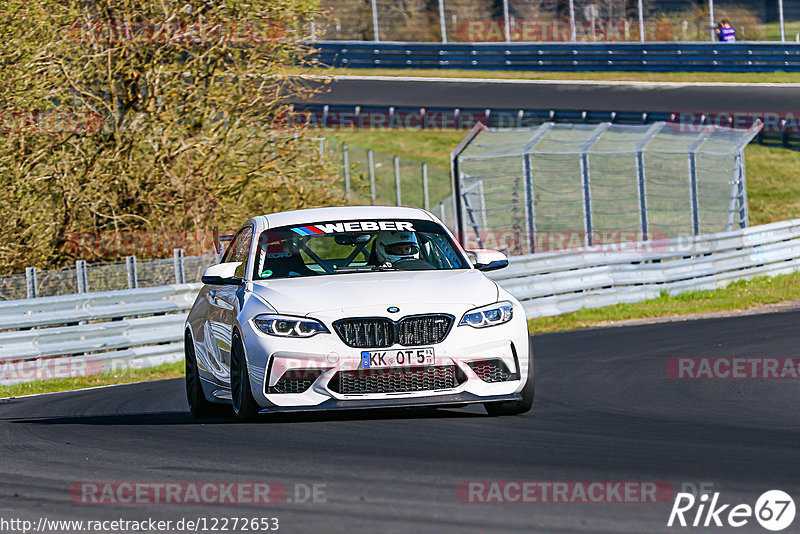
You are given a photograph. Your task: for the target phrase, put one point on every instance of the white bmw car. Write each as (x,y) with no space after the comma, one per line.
(354,307)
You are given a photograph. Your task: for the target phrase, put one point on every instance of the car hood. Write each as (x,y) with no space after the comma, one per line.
(303,296)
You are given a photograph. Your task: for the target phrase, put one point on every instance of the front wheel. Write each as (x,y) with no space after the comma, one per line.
(522,405)
(199,406)
(244,406)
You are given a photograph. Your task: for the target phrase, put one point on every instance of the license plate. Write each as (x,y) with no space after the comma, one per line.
(379,359)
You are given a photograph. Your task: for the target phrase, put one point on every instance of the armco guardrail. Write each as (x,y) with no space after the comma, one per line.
(53,337)
(560,282)
(656,56)
(91,333)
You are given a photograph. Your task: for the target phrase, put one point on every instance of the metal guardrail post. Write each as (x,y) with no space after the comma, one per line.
(455,176)
(375,31)
(180,273)
(397,179)
(506,21)
(693,193)
(371,161)
(586,180)
(346,162)
(695,203)
(133,274)
(744,215)
(31,287)
(527,174)
(426,201)
(530,211)
(442,24)
(80,275)
(641,177)
(572,33)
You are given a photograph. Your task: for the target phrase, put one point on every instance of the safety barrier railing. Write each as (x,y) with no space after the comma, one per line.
(79,335)
(655,56)
(560,282)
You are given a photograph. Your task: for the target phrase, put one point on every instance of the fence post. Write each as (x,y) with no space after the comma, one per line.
(641,21)
(397,179)
(506,21)
(177,258)
(441,212)
(371,162)
(586,182)
(530,213)
(321,147)
(693,177)
(442,22)
(744,216)
(346,158)
(426,201)
(711,20)
(133,275)
(642,179)
(572,33)
(31,287)
(80,275)
(375,32)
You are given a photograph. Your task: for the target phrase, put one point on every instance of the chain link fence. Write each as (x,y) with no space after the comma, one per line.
(555,20)
(564,186)
(371,177)
(110,276)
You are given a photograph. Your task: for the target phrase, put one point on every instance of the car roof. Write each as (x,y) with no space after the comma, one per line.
(341,213)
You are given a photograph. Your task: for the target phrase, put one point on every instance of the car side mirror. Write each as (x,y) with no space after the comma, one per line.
(488,260)
(223,274)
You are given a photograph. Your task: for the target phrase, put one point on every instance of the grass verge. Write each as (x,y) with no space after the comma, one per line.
(123,376)
(741,295)
(673,77)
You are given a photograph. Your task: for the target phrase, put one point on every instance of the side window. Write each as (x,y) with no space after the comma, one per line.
(239,249)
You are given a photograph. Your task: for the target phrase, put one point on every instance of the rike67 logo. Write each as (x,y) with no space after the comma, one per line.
(774,510)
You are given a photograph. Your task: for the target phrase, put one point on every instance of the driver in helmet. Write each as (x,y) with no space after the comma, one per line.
(392,247)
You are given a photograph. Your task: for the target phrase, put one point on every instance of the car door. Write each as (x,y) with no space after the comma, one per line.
(222,307)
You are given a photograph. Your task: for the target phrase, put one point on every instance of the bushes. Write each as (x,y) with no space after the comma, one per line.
(147,117)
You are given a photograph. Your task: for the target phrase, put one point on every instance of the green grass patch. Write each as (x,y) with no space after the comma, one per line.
(741,295)
(676,77)
(122,376)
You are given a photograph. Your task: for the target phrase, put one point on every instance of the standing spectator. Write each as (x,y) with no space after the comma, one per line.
(725,32)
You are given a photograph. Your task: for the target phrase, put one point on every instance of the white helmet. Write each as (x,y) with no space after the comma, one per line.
(394,246)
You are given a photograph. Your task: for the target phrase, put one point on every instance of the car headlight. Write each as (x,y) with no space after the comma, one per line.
(283,326)
(491,315)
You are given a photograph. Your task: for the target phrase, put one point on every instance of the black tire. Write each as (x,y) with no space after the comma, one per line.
(244,405)
(199,406)
(528,392)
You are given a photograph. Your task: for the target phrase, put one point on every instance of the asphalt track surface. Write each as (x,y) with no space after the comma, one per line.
(621,97)
(605,410)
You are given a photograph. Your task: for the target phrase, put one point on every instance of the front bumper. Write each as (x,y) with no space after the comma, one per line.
(407,402)
(270,358)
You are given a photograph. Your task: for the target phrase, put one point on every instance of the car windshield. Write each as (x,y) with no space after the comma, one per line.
(340,247)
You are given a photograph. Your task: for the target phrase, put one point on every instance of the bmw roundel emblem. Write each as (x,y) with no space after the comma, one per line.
(393,309)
